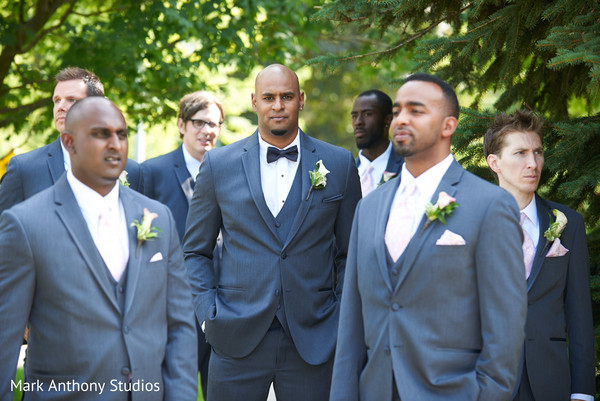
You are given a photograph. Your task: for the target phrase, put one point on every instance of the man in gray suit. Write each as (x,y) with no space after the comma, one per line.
(271,310)
(377,162)
(170,178)
(434,301)
(31,172)
(109,308)
(556,269)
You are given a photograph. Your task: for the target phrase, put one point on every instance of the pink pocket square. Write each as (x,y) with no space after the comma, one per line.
(157,256)
(450,238)
(556,249)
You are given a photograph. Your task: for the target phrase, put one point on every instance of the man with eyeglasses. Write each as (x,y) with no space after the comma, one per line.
(170,178)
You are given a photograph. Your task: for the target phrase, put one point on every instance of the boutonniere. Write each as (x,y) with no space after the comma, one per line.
(145,230)
(318,179)
(555,229)
(444,206)
(387,175)
(123,179)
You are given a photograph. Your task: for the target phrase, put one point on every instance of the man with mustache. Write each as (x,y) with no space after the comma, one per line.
(556,268)
(377,162)
(271,309)
(434,302)
(31,172)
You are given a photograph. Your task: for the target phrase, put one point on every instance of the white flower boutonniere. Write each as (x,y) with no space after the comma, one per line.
(555,229)
(145,230)
(123,179)
(318,179)
(444,206)
(387,175)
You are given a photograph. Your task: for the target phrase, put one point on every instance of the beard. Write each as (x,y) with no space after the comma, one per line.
(278,132)
(368,142)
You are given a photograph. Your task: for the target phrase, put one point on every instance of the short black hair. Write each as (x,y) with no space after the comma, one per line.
(447,90)
(384,101)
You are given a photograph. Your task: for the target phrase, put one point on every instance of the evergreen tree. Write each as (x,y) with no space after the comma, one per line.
(537,54)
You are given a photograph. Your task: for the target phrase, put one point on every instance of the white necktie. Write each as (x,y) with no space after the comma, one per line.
(366,182)
(399,226)
(109,244)
(528,248)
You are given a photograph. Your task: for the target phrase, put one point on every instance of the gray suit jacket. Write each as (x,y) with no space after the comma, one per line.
(31,172)
(559,299)
(452,328)
(258,273)
(53,278)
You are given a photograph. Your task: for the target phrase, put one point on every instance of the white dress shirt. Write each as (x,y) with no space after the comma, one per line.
(92,203)
(379,165)
(66,156)
(192,164)
(531,225)
(276,178)
(426,183)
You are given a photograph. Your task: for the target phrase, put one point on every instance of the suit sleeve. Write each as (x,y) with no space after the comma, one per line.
(17,285)
(180,369)
(578,312)
(343,224)
(11,187)
(202,229)
(134,175)
(147,186)
(351,351)
(502,298)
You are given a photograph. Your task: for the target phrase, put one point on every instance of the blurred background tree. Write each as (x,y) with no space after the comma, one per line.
(503,55)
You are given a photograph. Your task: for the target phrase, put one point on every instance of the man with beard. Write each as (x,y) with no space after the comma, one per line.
(434,299)
(377,162)
(29,173)
(284,203)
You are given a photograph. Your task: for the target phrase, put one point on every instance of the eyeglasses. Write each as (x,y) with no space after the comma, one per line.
(197,123)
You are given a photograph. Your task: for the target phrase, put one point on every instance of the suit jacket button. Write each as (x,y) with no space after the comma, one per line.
(277,224)
(277,292)
(395,307)
(121,289)
(125,371)
(125,329)
(283,256)
(395,272)
(386,349)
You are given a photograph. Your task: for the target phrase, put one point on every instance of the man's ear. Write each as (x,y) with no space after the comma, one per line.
(387,120)
(181,125)
(67,140)
(492,161)
(449,126)
(253,96)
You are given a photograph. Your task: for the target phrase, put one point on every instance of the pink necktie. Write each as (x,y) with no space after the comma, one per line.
(366,182)
(528,248)
(399,226)
(109,245)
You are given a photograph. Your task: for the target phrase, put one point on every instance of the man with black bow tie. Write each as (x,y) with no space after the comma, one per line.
(271,309)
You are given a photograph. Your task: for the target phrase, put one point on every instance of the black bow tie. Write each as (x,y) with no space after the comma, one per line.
(290,153)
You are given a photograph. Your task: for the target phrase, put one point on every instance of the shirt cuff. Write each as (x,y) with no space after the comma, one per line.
(585,397)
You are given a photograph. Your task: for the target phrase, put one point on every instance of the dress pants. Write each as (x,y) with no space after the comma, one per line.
(275,360)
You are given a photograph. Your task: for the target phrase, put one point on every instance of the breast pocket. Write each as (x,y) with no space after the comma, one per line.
(331,201)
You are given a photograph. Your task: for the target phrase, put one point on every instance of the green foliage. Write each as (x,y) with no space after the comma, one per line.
(537,54)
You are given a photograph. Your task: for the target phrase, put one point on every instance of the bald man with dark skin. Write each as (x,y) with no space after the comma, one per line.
(271,309)
(109,312)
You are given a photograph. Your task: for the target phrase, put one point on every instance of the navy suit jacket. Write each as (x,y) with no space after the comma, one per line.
(31,172)
(558,292)
(394,164)
(167,179)
(53,279)
(259,273)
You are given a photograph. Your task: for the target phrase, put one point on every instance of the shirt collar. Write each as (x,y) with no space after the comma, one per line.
(66,156)
(91,201)
(379,163)
(192,164)
(428,181)
(531,210)
(263,146)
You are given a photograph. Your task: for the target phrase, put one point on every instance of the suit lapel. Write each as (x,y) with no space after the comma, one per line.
(251,164)
(308,160)
(70,214)
(543,212)
(183,175)
(394,163)
(384,208)
(448,185)
(56,162)
(132,212)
